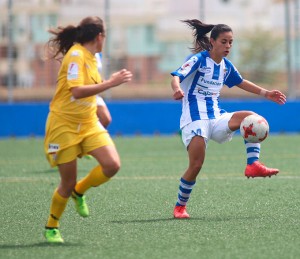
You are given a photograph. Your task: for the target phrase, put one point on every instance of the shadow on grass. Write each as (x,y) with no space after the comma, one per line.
(41,244)
(204,219)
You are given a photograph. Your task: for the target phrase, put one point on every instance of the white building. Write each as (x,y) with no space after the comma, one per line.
(145,35)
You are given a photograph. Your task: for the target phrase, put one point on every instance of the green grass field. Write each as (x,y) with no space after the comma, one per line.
(131,216)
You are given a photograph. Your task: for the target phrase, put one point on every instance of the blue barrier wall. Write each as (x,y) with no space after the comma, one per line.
(144,117)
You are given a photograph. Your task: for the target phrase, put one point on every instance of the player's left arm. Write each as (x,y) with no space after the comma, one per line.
(273,95)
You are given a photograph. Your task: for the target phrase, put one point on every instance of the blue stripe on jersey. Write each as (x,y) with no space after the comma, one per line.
(193,104)
(232,76)
(216,72)
(210,108)
(222,111)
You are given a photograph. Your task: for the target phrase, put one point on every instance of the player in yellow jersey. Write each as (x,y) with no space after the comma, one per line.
(72,128)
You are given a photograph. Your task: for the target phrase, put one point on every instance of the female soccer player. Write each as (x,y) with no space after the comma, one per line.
(198,83)
(72,128)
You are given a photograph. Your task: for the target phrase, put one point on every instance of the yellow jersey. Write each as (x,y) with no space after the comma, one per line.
(78,68)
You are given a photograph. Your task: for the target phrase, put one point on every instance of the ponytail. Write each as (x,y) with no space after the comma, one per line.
(63,40)
(201,41)
(65,37)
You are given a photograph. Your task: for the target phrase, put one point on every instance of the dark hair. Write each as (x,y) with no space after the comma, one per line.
(218,29)
(65,37)
(201,40)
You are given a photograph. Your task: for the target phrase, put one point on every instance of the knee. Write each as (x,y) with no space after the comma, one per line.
(111,168)
(115,167)
(196,166)
(67,187)
(193,171)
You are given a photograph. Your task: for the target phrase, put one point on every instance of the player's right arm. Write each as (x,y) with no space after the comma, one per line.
(181,73)
(177,91)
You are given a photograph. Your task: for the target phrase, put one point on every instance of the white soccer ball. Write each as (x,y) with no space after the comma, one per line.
(254,128)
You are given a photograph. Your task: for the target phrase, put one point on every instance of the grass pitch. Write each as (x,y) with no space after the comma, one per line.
(131,216)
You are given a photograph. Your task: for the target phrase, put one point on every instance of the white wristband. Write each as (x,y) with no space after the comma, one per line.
(263,92)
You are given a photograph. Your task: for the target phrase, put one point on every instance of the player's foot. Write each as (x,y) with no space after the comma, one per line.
(80,205)
(53,236)
(180,212)
(258,169)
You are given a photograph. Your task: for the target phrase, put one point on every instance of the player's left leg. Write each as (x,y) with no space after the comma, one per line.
(109,164)
(254,167)
(99,144)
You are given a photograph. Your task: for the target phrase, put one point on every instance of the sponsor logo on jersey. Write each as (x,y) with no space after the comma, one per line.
(210,82)
(72,71)
(204,92)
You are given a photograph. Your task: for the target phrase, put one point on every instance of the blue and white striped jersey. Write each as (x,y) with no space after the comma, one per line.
(201,79)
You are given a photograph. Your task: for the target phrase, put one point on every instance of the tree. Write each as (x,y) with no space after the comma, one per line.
(261,55)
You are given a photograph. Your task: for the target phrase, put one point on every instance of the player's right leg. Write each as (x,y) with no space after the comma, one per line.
(59,201)
(196,152)
(61,148)
(58,205)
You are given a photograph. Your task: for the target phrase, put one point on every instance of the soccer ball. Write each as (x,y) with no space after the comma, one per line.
(254,128)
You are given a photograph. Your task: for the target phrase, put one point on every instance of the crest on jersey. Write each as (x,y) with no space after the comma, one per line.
(75,53)
(73,71)
(187,66)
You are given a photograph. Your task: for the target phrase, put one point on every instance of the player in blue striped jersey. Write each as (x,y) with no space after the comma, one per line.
(198,83)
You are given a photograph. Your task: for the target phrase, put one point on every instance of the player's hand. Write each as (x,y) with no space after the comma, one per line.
(276,96)
(120,77)
(178,95)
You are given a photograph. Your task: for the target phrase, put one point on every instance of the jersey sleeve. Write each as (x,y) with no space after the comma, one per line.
(232,76)
(75,66)
(187,68)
